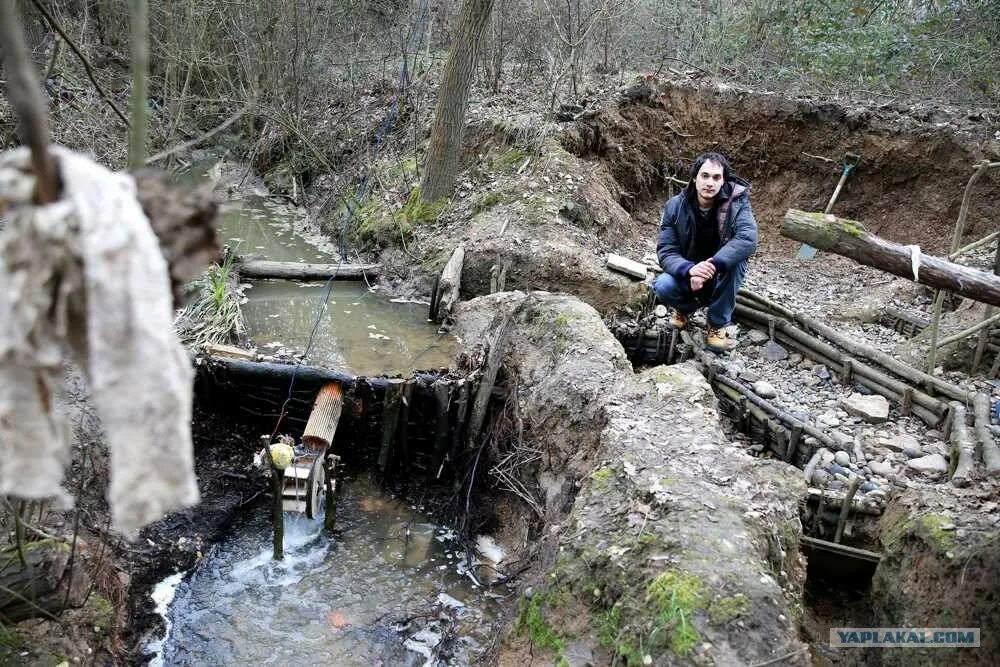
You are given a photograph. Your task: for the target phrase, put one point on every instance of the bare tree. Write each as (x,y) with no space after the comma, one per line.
(441,166)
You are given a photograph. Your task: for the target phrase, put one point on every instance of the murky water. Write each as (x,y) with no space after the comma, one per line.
(342,600)
(272,230)
(361,331)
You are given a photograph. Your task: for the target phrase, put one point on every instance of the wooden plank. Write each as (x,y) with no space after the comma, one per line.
(627,266)
(841,549)
(229,351)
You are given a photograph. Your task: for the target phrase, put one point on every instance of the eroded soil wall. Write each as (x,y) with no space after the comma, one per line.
(659,537)
(914,162)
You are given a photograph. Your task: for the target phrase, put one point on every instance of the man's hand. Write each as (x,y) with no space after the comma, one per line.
(700,274)
(704,270)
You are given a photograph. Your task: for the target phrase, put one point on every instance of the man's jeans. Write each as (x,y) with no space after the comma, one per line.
(719,294)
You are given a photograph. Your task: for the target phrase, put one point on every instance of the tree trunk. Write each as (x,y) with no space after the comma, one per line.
(449,115)
(850,239)
(139,41)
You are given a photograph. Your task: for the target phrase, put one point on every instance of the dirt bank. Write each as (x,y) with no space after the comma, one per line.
(659,538)
(908,187)
(939,569)
(552,199)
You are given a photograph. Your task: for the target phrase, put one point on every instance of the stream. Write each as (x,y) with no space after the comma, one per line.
(391,586)
(388,590)
(361,331)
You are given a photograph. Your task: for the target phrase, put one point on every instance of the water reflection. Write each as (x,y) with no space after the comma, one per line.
(359,332)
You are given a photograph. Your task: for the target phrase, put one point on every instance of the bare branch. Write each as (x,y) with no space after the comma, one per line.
(205,137)
(26,98)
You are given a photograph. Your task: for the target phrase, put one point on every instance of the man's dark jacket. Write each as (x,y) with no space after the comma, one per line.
(737,229)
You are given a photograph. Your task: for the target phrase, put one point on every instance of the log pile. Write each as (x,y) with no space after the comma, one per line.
(933,399)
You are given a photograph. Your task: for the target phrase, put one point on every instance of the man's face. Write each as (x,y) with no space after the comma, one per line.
(709,181)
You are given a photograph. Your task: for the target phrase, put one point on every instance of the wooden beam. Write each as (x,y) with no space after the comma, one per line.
(259,269)
(963,447)
(990,451)
(271,373)
(627,266)
(850,239)
(841,549)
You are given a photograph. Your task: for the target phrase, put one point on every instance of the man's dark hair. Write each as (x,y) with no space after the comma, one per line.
(718,158)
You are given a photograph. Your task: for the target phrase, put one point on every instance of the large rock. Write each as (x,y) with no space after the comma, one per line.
(904,442)
(764,389)
(679,546)
(933,464)
(873,408)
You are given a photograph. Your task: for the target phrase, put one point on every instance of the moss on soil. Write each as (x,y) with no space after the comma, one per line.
(677,596)
(510,160)
(417,210)
(486,202)
(930,528)
(103,611)
(602,477)
(726,609)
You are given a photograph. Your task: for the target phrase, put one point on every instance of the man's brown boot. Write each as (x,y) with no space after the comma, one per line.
(678,320)
(718,340)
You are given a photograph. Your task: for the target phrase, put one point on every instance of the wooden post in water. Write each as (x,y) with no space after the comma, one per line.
(390,418)
(277,511)
(403,428)
(442,400)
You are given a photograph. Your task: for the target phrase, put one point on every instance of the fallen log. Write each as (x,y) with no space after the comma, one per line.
(990,451)
(850,239)
(262,269)
(267,373)
(963,448)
